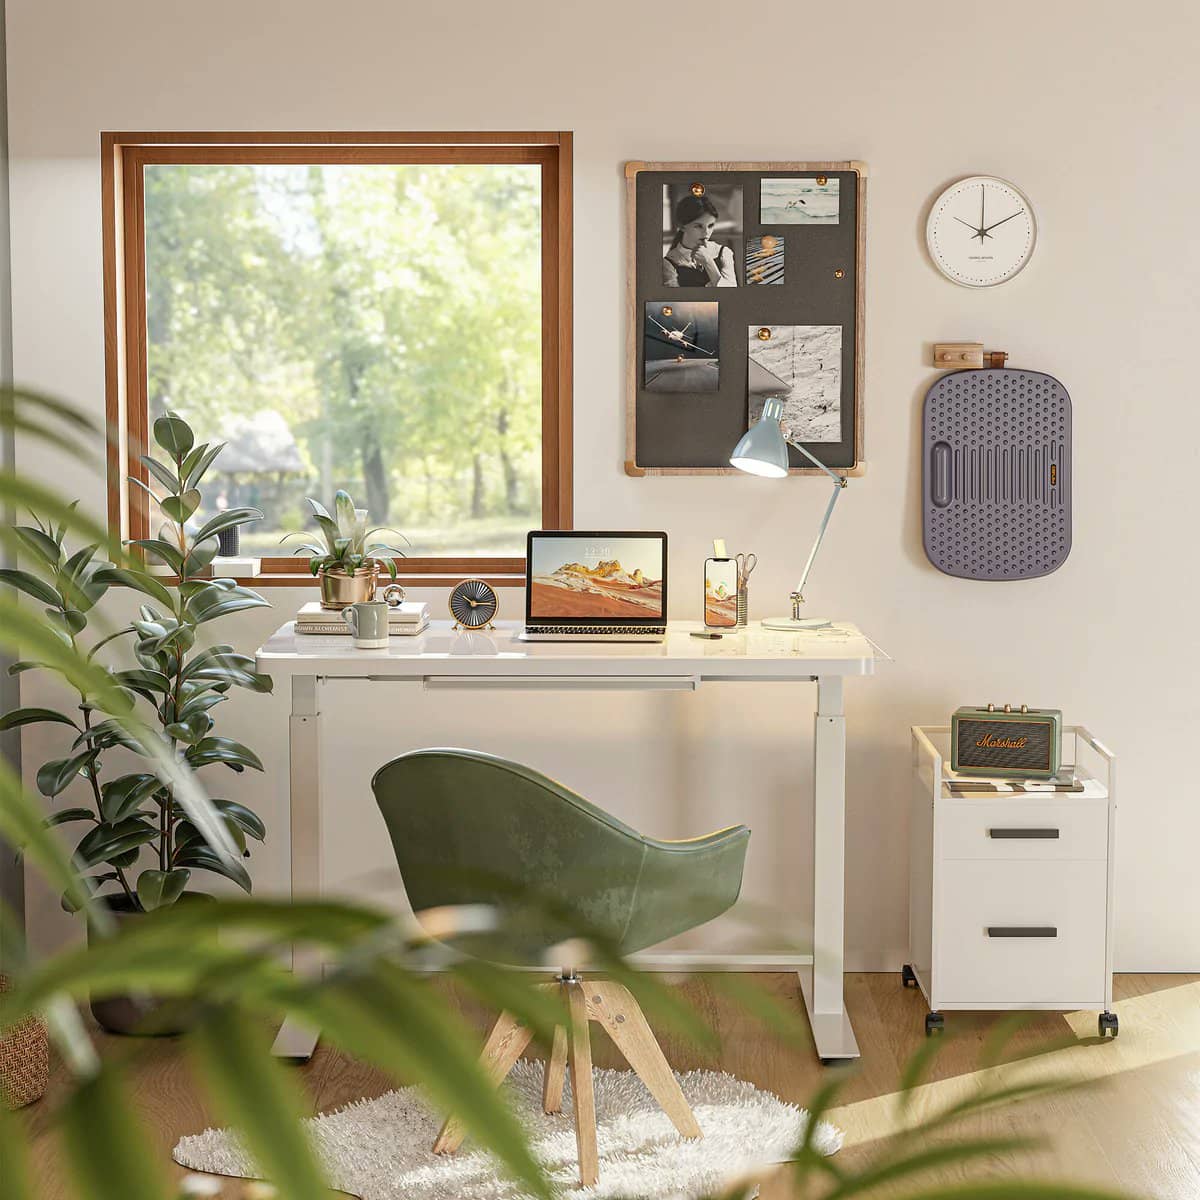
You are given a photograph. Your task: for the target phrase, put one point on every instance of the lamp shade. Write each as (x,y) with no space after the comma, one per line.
(762,449)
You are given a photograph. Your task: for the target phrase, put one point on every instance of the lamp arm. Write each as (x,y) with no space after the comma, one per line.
(839,482)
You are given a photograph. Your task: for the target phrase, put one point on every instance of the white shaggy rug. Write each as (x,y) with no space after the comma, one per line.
(380,1149)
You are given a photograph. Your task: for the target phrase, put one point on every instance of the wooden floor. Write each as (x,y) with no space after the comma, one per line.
(1134,1125)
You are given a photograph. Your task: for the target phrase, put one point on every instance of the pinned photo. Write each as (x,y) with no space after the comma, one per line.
(680,343)
(802,365)
(812,201)
(702,234)
(764,259)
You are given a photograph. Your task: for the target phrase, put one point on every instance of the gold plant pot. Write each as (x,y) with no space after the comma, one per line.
(339,590)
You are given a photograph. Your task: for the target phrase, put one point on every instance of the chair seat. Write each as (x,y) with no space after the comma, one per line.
(470,829)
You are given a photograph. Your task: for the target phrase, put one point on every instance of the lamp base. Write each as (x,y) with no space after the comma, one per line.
(791,624)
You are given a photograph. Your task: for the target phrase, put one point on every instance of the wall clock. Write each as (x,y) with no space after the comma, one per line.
(473,604)
(981,231)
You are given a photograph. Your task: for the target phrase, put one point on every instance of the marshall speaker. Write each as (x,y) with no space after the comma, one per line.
(997,492)
(1017,743)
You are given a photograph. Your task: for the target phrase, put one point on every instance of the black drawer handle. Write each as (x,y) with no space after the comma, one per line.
(1023,833)
(1015,931)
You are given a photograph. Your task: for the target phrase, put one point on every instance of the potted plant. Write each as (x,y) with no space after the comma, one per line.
(346,565)
(177,683)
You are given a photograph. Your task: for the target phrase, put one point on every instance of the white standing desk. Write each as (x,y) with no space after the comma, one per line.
(442,659)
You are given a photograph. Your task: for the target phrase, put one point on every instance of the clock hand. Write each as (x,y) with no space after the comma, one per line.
(1008,218)
(968,224)
(982,218)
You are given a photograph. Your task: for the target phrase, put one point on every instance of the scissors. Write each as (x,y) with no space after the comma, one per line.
(746,564)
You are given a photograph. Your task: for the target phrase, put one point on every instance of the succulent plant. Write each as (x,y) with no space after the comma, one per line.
(347,539)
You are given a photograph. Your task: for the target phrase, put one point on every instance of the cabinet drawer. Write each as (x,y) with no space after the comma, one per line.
(1023,829)
(1012,932)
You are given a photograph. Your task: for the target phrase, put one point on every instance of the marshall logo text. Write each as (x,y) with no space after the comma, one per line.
(1004,743)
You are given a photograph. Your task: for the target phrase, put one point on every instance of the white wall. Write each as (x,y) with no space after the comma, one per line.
(1091,109)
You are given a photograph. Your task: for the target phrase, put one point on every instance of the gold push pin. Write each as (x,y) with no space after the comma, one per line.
(764,334)
(667,310)
(839,274)
(697,189)
(822,180)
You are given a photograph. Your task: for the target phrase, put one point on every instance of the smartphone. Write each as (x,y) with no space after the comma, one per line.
(720,593)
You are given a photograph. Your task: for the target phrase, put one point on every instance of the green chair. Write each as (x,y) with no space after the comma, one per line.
(471,829)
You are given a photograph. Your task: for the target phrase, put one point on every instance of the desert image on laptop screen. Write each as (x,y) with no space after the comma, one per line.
(598,578)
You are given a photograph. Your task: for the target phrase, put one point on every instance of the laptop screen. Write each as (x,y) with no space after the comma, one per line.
(596,577)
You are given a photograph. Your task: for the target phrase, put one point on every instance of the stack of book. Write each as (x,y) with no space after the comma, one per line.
(404,620)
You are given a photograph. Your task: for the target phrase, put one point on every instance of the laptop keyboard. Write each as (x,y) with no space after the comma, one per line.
(601,630)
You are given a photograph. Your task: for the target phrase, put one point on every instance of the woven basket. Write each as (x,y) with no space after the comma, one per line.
(24,1060)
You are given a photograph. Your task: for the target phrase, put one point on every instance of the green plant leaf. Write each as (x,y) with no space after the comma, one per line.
(173,434)
(219,598)
(343,511)
(200,555)
(164,474)
(30,584)
(22,824)
(161,549)
(66,815)
(71,621)
(120,798)
(233,1056)
(179,508)
(250,822)
(156,889)
(196,467)
(106,842)
(39,544)
(222,750)
(19,492)
(203,859)
(138,580)
(32,716)
(227,519)
(55,775)
(107,1153)
(144,681)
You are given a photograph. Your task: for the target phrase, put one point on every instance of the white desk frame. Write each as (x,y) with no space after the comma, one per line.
(440,659)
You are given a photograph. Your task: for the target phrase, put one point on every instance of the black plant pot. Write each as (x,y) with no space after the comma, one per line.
(142,1015)
(229,541)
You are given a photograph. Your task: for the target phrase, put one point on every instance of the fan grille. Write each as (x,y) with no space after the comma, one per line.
(997,455)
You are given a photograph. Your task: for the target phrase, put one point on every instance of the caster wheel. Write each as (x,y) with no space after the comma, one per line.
(908,976)
(1108,1024)
(934,1023)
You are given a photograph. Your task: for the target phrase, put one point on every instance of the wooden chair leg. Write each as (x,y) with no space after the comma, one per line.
(582,1095)
(612,1005)
(556,1070)
(505,1044)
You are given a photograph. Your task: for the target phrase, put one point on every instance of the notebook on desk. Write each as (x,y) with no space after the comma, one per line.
(598,586)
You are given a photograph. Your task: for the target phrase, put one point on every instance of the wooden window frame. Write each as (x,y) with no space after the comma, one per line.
(122,157)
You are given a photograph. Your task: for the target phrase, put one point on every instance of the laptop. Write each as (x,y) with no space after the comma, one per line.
(592,587)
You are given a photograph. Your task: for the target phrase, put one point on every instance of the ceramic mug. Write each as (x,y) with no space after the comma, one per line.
(369,624)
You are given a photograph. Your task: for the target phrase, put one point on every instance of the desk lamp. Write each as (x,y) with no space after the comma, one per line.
(763,450)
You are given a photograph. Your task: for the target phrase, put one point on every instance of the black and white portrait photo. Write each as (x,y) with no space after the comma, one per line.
(702,234)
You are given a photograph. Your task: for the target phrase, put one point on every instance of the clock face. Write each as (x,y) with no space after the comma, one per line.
(981,231)
(473,604)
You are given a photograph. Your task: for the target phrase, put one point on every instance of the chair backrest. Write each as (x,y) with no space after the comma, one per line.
(469,828)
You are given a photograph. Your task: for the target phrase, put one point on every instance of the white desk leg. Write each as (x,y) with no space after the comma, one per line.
(822,983)
(296,1041)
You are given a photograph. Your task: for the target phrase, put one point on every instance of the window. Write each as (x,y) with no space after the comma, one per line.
(386,315)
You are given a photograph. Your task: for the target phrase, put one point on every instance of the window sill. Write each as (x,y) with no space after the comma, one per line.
(277,579)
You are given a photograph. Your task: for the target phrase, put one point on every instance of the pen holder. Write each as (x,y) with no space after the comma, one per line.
(743,606)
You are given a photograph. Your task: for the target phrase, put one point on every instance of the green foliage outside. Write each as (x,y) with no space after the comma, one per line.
(372,328)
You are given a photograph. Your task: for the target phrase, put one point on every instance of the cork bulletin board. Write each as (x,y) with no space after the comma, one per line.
(744,280)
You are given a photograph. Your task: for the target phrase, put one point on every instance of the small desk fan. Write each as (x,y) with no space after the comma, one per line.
(997,491)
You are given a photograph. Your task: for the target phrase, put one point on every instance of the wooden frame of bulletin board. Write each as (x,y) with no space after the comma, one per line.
(798,301)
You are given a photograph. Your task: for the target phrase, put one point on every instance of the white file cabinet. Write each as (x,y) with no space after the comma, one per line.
(1010,896)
